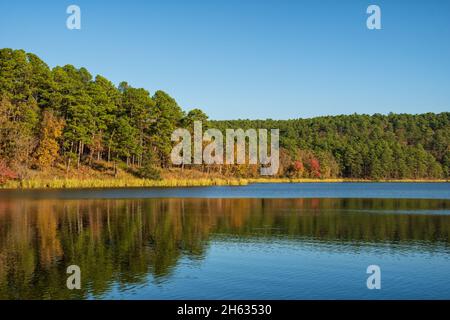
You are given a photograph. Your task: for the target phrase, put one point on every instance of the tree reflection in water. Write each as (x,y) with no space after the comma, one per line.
(123,241)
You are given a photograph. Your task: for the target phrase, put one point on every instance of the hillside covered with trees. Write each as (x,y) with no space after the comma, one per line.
(66,119)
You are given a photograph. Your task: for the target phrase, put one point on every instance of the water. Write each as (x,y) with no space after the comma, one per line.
(269,241)
(269,190)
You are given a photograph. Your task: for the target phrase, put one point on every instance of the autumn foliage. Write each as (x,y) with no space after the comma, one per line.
(6,173)
(51,131)
(64,117)
(315,167)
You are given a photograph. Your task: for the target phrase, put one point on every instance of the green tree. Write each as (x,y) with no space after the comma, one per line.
(168,116)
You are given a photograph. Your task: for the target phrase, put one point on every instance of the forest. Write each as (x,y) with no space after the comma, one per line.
(63,121)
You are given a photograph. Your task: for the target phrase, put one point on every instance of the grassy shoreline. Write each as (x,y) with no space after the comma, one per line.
(168,183)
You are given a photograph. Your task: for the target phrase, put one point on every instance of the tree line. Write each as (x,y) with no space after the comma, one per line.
(66,116)
(393,146)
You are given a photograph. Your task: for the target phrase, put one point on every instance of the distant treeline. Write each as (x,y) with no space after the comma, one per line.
(66,116)
(394,146)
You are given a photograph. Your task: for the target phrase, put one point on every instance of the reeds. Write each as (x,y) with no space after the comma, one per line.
(59,183)
(118,183)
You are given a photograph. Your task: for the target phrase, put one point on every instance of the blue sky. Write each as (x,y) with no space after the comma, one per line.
(252,58)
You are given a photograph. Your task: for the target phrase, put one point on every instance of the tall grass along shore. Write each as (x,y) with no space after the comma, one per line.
(167,183)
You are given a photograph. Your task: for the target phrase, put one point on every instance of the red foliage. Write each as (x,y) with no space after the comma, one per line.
(298,165)
(315,167)
(6,173)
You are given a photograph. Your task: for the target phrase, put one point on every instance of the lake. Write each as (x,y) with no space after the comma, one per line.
(261,241)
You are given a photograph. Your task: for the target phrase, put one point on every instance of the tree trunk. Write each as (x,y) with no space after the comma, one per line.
(79,154)
(68,166)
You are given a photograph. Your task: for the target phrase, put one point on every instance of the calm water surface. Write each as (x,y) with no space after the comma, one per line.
(269,241)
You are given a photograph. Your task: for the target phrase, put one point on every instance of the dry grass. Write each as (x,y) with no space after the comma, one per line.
(118,183)
(103,177)
(59,183)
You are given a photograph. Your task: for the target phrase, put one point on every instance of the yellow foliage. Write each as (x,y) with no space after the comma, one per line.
(51,131)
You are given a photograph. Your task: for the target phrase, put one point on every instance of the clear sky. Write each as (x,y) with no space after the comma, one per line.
(252,58)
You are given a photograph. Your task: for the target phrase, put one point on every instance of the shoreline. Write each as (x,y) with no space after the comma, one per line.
(178,183)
